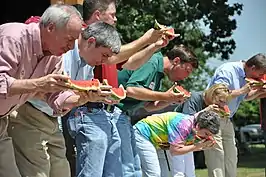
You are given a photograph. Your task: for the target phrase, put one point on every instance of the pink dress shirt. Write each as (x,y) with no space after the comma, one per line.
(21,57)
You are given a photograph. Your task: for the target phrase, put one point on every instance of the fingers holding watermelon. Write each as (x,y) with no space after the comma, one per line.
(152,35)
(52,83)
(177,94)
(212,107)
(92,96)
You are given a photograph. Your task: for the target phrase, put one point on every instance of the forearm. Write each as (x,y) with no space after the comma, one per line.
(127,51)
(157,105)
(23,87)
(135,45)
(144,94)
(141,57)
(176,150)
(255,94)
(237,92)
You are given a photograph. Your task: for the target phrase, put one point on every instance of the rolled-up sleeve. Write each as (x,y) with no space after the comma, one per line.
(10,55)
(57,100)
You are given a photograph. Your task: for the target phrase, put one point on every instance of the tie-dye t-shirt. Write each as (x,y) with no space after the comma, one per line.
(167,128)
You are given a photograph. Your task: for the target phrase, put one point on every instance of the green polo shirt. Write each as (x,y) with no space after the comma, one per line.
(148,76)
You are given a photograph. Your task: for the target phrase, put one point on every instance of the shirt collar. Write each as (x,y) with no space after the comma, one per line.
(37,42)
(242,69)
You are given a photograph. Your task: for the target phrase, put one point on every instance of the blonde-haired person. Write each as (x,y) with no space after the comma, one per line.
(218,95)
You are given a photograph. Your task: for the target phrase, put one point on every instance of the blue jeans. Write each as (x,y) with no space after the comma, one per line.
(148,156)
(97,142)
(130,159)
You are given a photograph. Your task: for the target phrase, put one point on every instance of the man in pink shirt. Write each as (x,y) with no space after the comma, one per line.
(27,68)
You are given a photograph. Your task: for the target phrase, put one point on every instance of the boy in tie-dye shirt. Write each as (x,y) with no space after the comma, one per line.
(174,131)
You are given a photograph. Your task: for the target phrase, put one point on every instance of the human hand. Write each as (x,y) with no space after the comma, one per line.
(212,107)
(152,35)
(203,144)
(161,42)
(111,102)
(173,97)
(92,96)
(52,83)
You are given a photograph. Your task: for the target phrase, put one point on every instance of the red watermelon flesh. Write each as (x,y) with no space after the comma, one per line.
(224,112)
(85,85)
(209,138)
(180,89)
(118,93)
(264,78)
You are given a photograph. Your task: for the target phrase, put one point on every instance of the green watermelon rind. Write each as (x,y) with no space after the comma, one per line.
(116,97)
(223,113)
(177,91)
(255,82)
(159,26)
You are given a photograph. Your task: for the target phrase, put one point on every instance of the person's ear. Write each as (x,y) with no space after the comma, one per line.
(91,41)
(97,14)
(176,61)
(51,27)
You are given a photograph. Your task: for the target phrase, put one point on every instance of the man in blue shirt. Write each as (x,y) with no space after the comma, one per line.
(222,159)
(44,152)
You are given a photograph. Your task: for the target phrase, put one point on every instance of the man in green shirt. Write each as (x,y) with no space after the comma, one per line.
(143,90)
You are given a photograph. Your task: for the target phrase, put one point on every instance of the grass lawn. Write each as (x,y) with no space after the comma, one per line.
(249,165)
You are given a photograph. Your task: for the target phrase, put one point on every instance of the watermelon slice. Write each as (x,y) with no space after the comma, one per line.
(224,112)
(209,138)
(180,89)
(117,93)
(85,85)
(255,82)
(170,31)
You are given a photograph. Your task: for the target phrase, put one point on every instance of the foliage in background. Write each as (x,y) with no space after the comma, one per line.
(248,113)
(187,17)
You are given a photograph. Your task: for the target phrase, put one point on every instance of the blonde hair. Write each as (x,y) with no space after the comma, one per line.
(217,89)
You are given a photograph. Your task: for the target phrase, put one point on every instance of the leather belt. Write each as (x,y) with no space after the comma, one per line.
(108,108)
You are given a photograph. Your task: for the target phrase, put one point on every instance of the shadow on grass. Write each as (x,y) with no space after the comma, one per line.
(255,158)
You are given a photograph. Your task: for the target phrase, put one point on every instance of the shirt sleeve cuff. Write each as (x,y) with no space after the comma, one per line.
(58,101)
(5,83)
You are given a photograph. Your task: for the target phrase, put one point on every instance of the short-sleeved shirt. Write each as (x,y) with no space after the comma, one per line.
(233,75)
(76,68)
(171,127)
(191,106)
(148,76)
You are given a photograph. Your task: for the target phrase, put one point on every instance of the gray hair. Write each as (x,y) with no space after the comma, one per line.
(105,35)
(208,120)
(59,14)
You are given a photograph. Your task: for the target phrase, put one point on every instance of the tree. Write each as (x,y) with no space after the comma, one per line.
(247,113)
(187,17)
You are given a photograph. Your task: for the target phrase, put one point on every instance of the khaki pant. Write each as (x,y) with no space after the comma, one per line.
(38,143)
(221,161)
(8,166)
